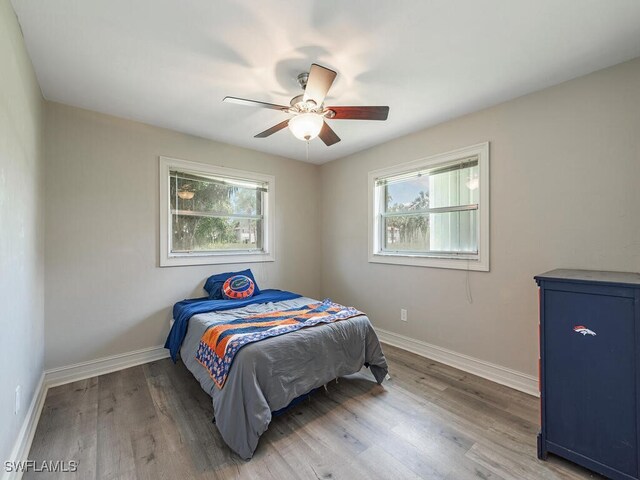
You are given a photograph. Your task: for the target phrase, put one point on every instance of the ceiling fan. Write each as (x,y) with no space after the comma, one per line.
(309,112)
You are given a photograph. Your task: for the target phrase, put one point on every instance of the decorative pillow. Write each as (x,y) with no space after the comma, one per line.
(214,283)
(238,287)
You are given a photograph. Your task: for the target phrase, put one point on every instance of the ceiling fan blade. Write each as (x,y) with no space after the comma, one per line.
(328,136)
(253,103)
(360,113)
(318,84)
(272,130)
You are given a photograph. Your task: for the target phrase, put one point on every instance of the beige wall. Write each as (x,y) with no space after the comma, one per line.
(565,192)
(105,293)
(565,163)
(21,229)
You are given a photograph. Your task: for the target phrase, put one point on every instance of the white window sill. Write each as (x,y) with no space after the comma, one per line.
(214,259)
(475,264)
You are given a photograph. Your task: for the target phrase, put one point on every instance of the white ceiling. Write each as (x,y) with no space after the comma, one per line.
(170,62)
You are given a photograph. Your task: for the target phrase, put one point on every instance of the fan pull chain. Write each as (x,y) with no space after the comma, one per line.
(307,151)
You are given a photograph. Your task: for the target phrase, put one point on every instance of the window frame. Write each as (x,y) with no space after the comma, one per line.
(170,259)
(477,262)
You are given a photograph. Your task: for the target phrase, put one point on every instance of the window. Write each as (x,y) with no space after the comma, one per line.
(211,214)
(432,212)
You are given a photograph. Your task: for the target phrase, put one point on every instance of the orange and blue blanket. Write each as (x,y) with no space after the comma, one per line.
(220,343)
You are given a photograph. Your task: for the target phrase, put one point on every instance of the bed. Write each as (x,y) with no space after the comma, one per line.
(268,375)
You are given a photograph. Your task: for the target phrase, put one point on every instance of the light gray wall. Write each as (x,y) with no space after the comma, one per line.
(565,192)
(105,293)
(21,228)
(564,167)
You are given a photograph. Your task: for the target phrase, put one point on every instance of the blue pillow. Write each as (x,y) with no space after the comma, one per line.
(214,283)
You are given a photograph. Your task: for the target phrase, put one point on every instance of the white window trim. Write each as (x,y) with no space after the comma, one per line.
(481,263)
(169,259)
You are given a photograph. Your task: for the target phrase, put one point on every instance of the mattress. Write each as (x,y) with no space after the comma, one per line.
(267,375)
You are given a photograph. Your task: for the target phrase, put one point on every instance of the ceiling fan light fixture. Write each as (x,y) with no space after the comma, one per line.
(186,194)
(306,126)
(309,112)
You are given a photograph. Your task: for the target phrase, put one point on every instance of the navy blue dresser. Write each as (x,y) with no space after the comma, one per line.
(590,369)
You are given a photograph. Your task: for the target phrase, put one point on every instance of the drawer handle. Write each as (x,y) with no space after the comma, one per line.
(583,330)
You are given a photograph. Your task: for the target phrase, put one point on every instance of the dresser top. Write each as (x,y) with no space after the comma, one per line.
(592,276)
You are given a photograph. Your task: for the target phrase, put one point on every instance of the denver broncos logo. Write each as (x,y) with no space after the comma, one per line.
(583,330)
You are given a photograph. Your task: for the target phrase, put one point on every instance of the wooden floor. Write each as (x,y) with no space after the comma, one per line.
(430,421)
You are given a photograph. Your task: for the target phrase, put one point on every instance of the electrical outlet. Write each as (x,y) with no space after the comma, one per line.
(403,314)
(17,405)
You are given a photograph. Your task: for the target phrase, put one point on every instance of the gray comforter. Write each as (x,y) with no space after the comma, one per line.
(267,375)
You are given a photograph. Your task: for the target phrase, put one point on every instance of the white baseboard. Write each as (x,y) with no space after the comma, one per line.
(100,366)
(496,373)
(72,373)
(28,430)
